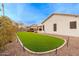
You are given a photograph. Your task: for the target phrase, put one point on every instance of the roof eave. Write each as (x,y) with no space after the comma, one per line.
(58,14)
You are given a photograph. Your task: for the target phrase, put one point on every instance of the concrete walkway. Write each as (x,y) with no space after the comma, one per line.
(72,49)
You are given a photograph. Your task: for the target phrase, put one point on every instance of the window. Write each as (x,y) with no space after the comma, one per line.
(43,27)
(55,27)
(40,29)
(73,25)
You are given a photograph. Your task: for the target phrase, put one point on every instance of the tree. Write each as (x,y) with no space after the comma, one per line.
(7,31)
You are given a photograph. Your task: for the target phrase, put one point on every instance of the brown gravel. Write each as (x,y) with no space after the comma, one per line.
(15,49)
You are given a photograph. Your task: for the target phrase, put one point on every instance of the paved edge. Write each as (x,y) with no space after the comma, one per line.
(41,52)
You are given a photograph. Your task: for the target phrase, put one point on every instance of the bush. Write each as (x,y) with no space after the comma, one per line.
(7,31)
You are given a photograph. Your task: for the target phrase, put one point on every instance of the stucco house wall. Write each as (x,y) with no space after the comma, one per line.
(63,25)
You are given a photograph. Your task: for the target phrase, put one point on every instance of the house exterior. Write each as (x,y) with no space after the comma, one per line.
(32,28)
(35,28)
(61,24)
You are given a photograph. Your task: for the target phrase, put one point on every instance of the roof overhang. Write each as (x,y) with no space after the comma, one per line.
(75,15)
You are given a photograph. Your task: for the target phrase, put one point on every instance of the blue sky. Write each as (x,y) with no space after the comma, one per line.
(35,13)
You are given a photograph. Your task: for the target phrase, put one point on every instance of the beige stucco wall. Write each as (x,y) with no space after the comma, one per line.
(63,25)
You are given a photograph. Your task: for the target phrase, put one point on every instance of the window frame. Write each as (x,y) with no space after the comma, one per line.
(73,24)
(43,27)
(54,27)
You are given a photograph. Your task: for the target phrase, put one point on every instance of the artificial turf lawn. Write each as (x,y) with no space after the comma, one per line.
(38,42)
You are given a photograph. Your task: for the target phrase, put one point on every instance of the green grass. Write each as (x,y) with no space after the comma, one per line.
(38,42)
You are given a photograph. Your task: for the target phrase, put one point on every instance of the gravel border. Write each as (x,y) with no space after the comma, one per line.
(15,49)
